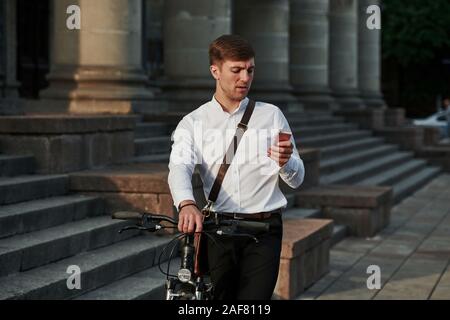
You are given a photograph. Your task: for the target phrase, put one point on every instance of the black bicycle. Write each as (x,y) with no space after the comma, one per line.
(189,283)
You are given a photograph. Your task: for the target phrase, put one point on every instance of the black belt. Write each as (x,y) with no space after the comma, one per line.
(239,216)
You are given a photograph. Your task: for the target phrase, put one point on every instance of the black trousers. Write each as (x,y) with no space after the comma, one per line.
(242,269)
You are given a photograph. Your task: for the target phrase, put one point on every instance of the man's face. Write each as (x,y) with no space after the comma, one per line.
(234,78)
(446,102)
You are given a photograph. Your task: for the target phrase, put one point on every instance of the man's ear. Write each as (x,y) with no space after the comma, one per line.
(215,72)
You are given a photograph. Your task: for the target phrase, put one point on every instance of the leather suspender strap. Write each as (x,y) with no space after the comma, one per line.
(240,130)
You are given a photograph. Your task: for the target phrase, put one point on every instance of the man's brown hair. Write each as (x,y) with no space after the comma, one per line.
(230,47)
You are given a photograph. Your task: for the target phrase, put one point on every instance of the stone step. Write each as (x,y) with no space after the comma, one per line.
(333,139)
(98,268)
(14,165)
(337,163)
(293,115)
(149,146)
(304,255)
(155,158)
(364,170)
(25,188)
(150,130)
(303,213)
(138,118)
(394,175)
(313,131)
(171,119)
(45,213)
(408,186)
(160,144)
(302,122)
(145,285)
(311,113)
(328,152)
(349,147)
(364,209)
(340,231)
(27,251)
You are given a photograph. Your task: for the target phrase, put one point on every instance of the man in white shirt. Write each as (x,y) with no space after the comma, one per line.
(240,268)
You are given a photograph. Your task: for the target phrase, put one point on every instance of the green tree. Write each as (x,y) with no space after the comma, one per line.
(415,31)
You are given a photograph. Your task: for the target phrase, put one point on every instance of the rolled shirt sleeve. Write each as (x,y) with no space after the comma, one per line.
(182,162)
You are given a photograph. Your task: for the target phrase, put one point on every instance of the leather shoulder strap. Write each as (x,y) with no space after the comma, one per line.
(240,130)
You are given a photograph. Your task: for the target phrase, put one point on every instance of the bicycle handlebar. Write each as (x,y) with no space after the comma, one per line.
(144,218)
(221,227)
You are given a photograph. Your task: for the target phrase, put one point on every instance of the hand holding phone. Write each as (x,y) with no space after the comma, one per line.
(281,154)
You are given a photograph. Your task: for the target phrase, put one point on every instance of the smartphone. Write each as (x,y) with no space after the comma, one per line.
(284,135)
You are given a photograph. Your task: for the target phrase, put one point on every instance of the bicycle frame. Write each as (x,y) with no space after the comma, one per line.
(191,285)
(186,284)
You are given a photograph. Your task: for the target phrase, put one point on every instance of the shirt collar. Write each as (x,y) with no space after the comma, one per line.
(242,106)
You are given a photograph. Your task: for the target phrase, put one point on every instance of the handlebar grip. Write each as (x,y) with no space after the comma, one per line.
(253,225)
(127,215)
(161,217)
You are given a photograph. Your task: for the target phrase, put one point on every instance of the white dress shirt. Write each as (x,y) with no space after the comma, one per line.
(251,182)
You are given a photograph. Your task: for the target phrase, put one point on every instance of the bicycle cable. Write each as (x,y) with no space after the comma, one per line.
(178,237)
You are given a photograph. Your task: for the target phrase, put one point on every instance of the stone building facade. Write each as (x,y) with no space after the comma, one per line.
(134,55)
(107,144)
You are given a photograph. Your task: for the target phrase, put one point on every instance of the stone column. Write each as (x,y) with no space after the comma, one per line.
(98,68)
(369,58)
(154,10)
(309,40)
(344,53)
(265,24)
(9,102)
(189,27)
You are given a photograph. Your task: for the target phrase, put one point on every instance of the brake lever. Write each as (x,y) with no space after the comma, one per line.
(151,228)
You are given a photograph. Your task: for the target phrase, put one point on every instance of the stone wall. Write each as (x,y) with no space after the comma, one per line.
(69,143)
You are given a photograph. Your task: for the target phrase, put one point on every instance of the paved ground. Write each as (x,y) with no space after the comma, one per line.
(413,253)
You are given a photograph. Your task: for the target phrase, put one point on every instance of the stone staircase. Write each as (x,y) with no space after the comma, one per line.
(16,165)
(342,144)
(152,142)
(44,229)
(144,285)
